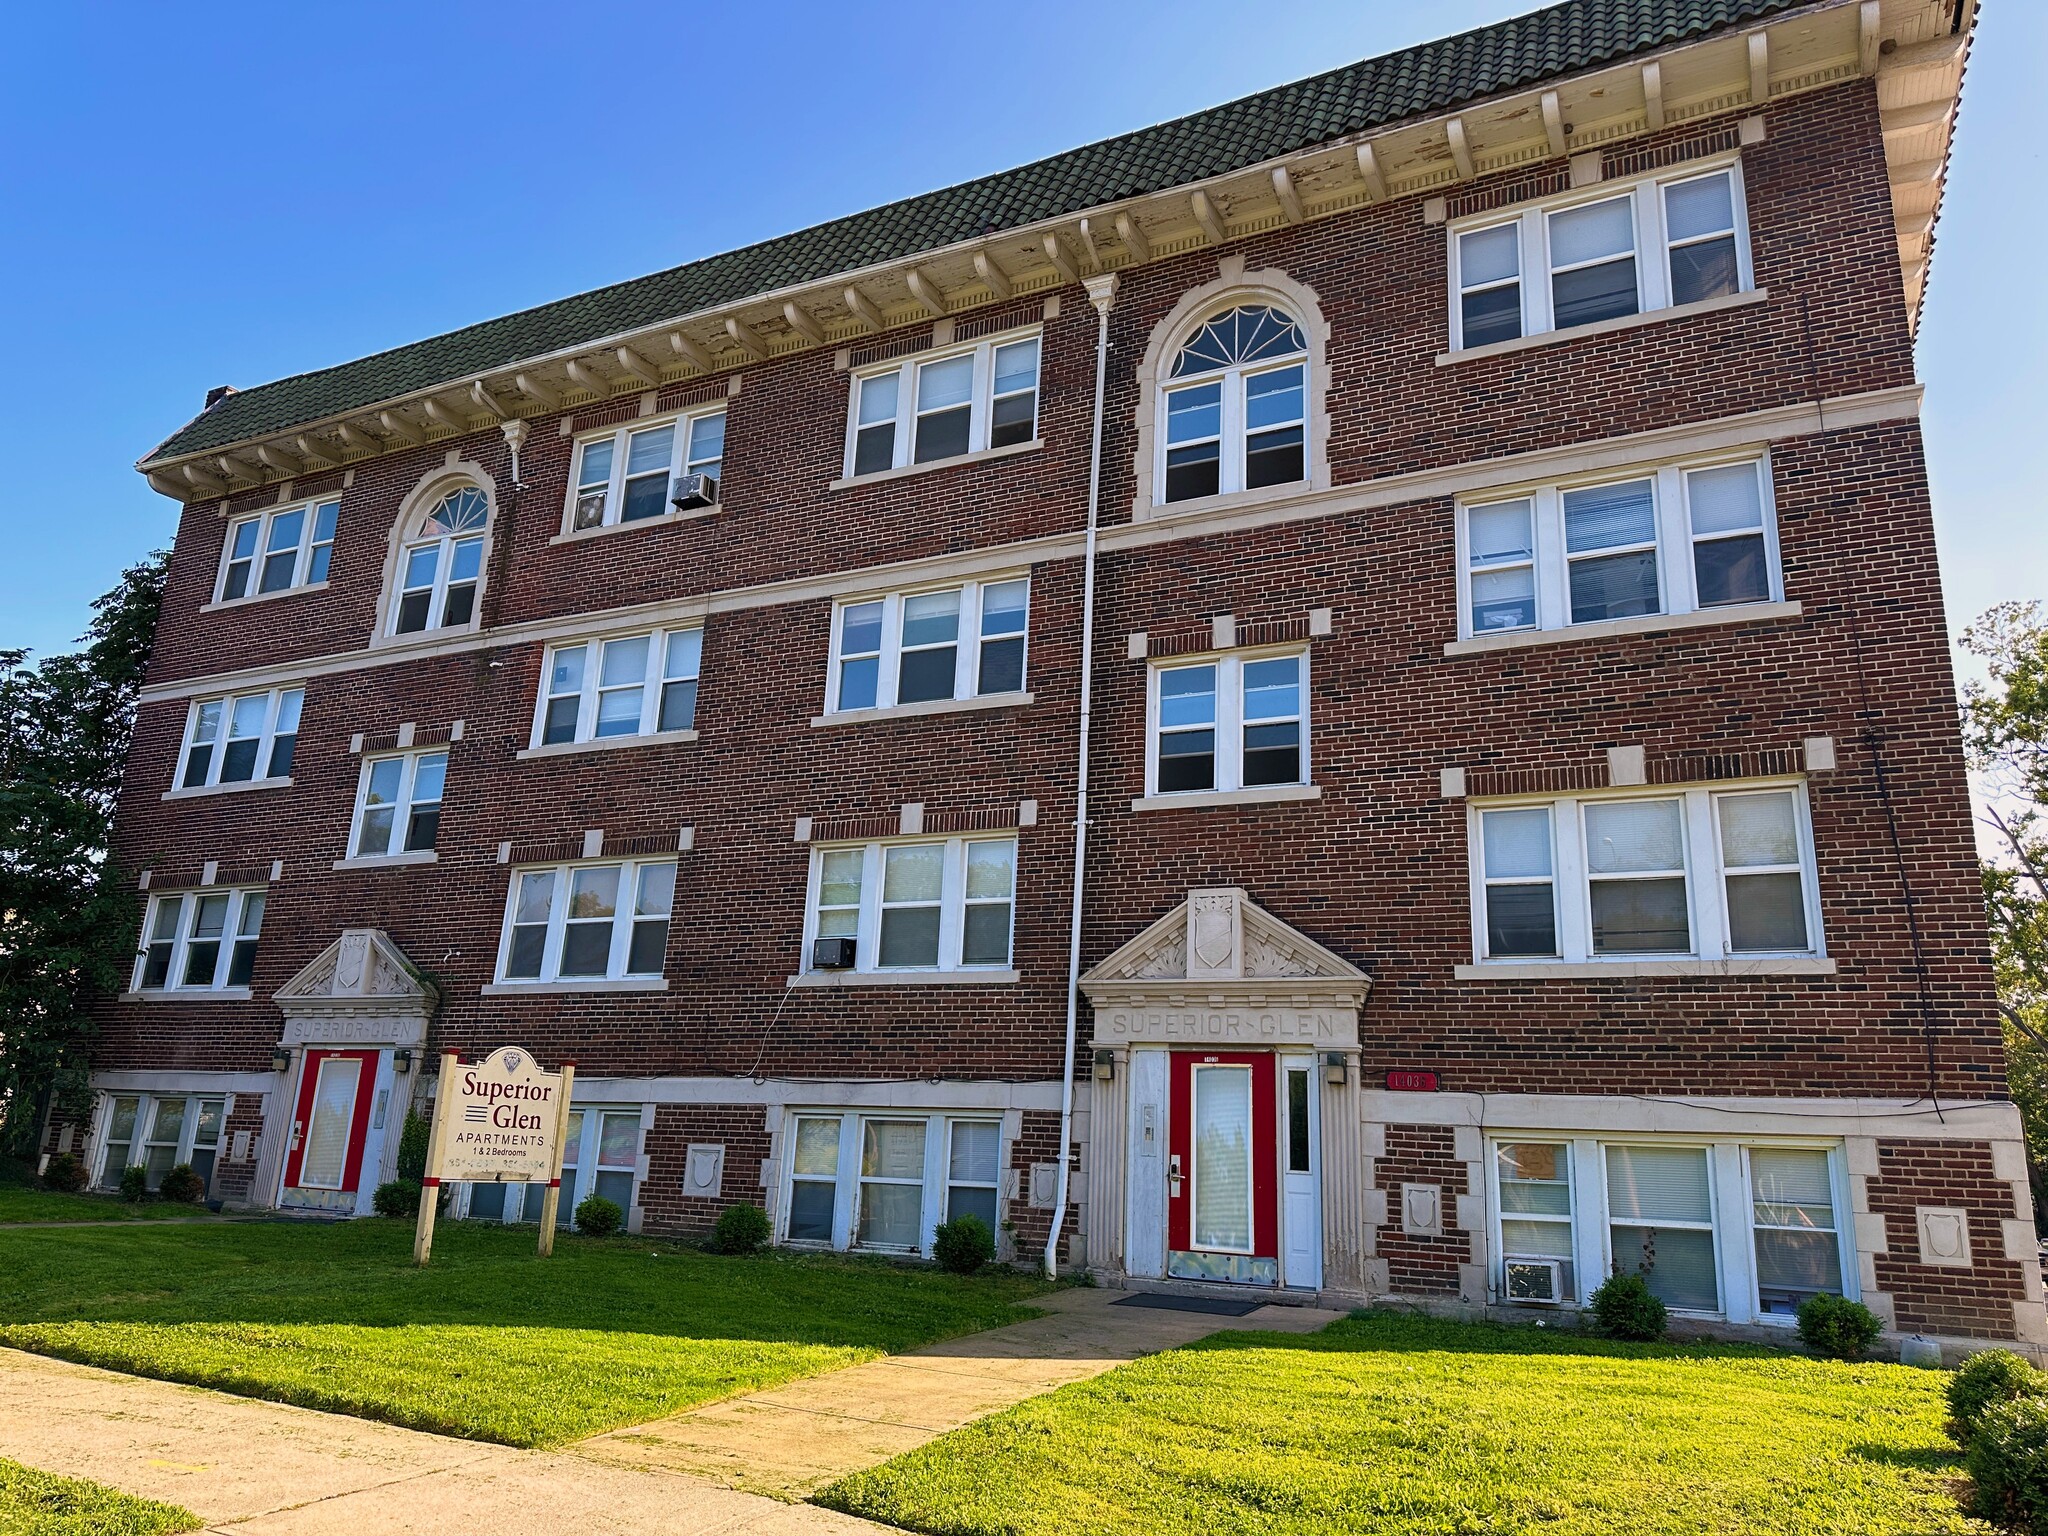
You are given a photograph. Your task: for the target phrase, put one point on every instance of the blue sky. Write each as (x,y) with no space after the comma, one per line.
(231,193)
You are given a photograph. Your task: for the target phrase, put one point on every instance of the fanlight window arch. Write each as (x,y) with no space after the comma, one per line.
(442,564)
(1235,412)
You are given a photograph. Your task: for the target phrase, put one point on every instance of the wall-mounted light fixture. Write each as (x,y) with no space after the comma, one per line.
(1333,1068)
(280,1057)
(1105,1066)
(401,1059)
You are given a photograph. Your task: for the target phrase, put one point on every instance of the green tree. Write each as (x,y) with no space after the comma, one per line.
(67,922)
(2005,726)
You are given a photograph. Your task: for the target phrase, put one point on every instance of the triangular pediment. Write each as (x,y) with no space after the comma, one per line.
(1219,936)
(361,971)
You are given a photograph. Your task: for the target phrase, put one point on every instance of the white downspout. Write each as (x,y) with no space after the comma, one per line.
(1102,294)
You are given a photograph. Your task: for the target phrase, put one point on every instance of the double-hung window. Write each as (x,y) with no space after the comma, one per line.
(1660,1223)
(886,1180)
(441,569)
(1706,873)
(398,804)
(199,941)
(1532,1182)
(626,475)
(1676,538)
(924,647)
(922,905)
(628,685)
(588,922)
(1234,407)
(1604,253)
(241,738)
(1794,1225)
(1231,722)
(944,404)
(277,550)
(157,1132)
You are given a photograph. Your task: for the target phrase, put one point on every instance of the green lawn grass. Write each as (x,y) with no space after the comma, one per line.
(1408,1426)
(36,1503)
(489,1342)
(23,1198)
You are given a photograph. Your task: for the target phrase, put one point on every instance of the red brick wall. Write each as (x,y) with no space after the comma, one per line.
(1422,1154)
(1974,1302)
(741,1128)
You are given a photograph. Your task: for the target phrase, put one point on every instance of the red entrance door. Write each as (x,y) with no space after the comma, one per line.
(1223,1168)
(331,1121)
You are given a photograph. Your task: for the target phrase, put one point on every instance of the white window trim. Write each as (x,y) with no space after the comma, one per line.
(402,808)
(981,403)
(685,421)
(145,1115)
(1652,250)
(1233,445)
(302,563)
(952,909)
(1705,880)
(444,567)
(889,660)
(847,1179)
(1230,786)
(174,983)
(586,708)
(266,740)
(1496,1279)
(1732,1201)
(1677,585)
(616,977)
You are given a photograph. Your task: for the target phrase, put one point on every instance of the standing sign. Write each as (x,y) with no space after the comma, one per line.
(497,1121)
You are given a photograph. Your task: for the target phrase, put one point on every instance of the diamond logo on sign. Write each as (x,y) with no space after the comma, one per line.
(504,1116)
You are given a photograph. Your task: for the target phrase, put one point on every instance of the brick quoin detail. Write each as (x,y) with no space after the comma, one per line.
(1422,1154)
(1976,1301)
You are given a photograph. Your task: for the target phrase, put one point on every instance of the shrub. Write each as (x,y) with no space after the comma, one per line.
(2008,1463)
(599,1217)
(1837,1327)
(1985,1380)
(964,1244)
(1624,1309)
(135,1183)
(740,1229)
(412,1149)
(182,1185)
(400,1197)
(64,1173)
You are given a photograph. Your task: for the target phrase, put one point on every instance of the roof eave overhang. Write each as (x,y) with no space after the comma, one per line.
(1919,83)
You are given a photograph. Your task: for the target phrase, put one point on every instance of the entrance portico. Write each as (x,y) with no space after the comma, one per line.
(1223,1126)
(355,1025)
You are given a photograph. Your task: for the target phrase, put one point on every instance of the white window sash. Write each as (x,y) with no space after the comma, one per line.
(889,657)
(952,904)
(1652,249)
(1705,873)
(265,739)
(622,920)
(1230,720)
(437,590)
(620,437)
(981,399)
(586,695)
(1677,581)
(1232,439)
(934,1186)
(403,802)
(302,560)
(183,939)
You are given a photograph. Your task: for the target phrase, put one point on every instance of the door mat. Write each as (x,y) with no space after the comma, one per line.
(1214,1306)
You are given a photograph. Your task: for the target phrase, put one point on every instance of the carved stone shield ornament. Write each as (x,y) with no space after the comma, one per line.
(1212,935)
(349,960)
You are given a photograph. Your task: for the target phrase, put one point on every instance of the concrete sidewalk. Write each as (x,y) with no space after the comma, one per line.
(795,1439)
(268,1469)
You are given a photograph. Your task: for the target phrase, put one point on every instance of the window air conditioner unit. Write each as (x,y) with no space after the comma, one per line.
(589,509)
(832,954)
(1534,1280)
(686,491)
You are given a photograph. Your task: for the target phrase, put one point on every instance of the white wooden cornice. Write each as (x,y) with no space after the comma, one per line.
(1909,46)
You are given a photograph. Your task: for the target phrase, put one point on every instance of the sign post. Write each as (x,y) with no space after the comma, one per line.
(437,1138)
(498,1121)
(551,1202)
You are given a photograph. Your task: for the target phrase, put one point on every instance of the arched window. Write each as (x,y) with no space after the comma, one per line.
(439,568)
(1235,406)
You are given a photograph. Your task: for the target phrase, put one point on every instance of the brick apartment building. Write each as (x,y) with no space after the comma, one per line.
(1462,517)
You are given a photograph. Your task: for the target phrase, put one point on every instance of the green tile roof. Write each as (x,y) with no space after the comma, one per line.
(1509,55)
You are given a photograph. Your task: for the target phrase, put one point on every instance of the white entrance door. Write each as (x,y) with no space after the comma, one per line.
(1301,1200)
(327,1133)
